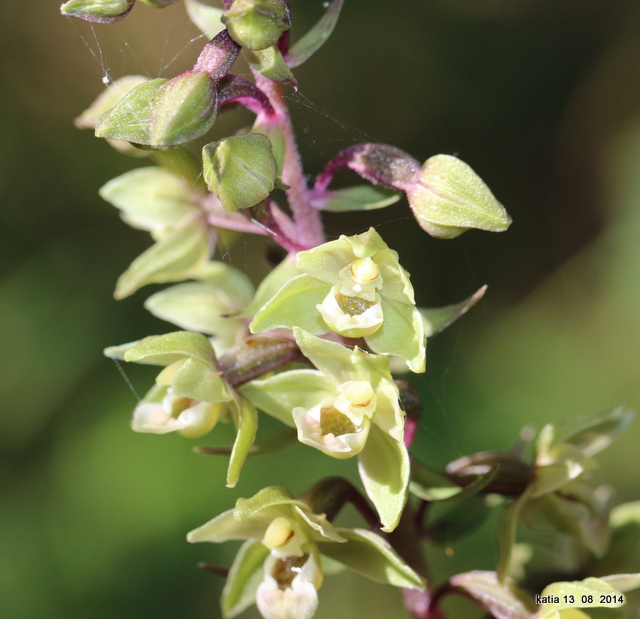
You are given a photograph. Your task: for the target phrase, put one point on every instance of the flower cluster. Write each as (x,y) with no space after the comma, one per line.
(326,342)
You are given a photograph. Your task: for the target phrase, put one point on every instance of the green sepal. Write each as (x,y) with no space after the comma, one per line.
(384,470)
(290,307)
(400,334)
(580,592)
(150,198)
(201,381)
(176,256)
(437,319)
(130,119)
(501,599)
(462,518)
(315,38)
(370,555)
(271,496)
(450,197)
(245,417)
(510,517)
(339,362)
(244,577)
(226,527)
(184,109)
(270,63)
(278,395)
(359,198)
(159,4)
(240,170)
(270,285)
(169,348)
(622,582)
(108,99)
(279,440)
(206,18)
(98,11)
(589,433)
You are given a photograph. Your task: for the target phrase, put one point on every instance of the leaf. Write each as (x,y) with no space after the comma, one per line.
(278,395)
(359,198)
(401,334)
(293,305)
(150,198)
(270,63)
(449,198)
(501,600)
(311,42)
(206,18)
(245,576)
(370,555)
(174,257)
(437,319)
(246,420)
(130,119)
(384,470)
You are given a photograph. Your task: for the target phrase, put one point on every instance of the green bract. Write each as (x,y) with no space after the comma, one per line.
(240,170)
(99,11)
(348,406)
(279,565)
(355,287)
(449,198)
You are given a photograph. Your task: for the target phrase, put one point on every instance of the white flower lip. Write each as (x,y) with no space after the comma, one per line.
(358,325)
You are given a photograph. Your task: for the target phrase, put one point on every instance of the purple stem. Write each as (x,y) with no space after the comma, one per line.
(309,228)
(235,90)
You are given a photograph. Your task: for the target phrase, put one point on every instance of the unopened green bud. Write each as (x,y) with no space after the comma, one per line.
(256,24)
(98,11)
(449,197)
(159,4)
(184,109)
(240,170)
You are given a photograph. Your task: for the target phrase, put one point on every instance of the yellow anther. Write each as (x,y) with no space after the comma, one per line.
(364,270)
(278,533)
(359,393)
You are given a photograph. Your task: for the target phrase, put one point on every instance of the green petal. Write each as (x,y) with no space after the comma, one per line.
(272,283)
(294,306)
(438,319)
(384,470)
(322,529)
(325,261)
(502,600)
(272,496)
(130,119)
(227,527)
(622,582)
(245,576)
(278,395)
(246,421)
(171,347)
(235,288)
(396,284)
(176,256)
(206,18)
(358,198)
(311,42)
(370,555)
(150,198)
(401,334)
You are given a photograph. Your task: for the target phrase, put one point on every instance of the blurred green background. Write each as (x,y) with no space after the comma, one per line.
(540,97)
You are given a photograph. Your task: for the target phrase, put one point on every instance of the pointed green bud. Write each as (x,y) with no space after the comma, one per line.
(449,198)
(240,170)
(159,4)
(256,24)
(184,110)
(98,11)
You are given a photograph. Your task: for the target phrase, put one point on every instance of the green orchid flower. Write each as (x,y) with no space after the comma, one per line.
(348,406)
(356,287)
(279,566)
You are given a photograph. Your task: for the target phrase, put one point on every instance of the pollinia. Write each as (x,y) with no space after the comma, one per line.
(327,341)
